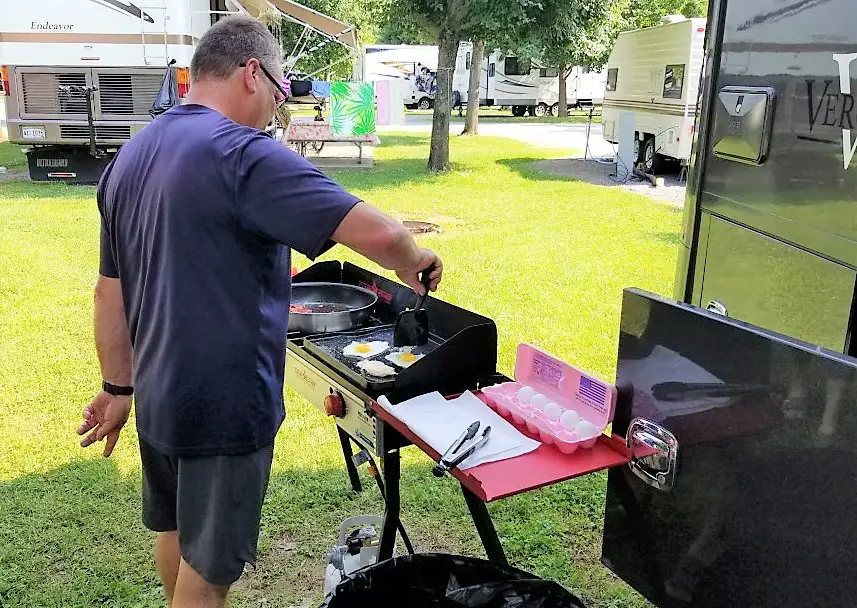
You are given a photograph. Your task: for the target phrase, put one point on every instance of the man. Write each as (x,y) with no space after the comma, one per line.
(199,212)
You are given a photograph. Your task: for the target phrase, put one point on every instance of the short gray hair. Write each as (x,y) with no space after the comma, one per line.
(229,43)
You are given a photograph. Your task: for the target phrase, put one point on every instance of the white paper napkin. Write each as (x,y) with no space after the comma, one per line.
(439,422)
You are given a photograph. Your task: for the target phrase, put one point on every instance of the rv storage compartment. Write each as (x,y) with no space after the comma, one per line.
(762,509)
(775,285)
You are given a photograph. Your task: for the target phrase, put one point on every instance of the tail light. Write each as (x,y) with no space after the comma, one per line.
(183,78)
(4,80)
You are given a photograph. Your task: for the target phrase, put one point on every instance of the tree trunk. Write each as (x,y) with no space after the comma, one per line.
(471,123)
(562,104)
(446,53)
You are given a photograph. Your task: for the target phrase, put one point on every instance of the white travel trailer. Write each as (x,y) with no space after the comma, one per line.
(525,86)
(80,76)
(414,65)
(653,76)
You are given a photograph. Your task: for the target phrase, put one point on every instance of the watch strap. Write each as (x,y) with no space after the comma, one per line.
(116,390)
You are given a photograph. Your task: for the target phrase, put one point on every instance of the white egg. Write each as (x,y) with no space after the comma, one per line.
(376,368)
(403,358)
(364,350)
(586,430)
(569,420)
(526,394)
(539,401)
(553,411)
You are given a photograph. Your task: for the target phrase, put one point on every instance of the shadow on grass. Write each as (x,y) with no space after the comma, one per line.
(26,189)
(385,174)
(670,238)
(526,168)
(73,537)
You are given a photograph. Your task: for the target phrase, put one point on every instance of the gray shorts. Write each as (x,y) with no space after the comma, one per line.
(214,502)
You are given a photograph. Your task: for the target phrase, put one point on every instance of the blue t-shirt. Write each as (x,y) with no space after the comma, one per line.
(198,217)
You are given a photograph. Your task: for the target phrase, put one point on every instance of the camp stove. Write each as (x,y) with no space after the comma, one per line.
(461,355)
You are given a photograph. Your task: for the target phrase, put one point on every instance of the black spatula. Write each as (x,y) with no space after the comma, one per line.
(411,327)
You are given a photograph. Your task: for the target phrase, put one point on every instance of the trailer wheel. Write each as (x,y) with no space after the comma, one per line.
(651,161)
(555,109)
(424,104)
(519,110)
(540,109)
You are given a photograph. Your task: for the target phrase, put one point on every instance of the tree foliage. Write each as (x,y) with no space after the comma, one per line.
(367,15)
(635,14)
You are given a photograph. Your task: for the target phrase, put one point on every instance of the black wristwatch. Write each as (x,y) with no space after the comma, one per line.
(113,389)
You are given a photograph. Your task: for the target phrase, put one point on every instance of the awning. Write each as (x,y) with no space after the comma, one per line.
(330,28)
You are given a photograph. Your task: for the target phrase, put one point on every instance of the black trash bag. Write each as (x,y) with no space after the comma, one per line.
(168,94)
(434,580)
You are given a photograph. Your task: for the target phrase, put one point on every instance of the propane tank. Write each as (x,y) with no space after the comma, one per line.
(359,541)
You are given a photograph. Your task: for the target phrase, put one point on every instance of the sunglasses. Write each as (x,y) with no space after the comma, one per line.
(277,86)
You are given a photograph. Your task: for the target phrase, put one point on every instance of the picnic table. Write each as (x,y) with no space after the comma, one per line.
(303,133)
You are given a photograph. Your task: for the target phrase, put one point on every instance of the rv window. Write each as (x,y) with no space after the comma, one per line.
(467,61)
(584,69)
(218,10)
(612,78)
(516,67)
(491,71)
(548,73)
(673,81)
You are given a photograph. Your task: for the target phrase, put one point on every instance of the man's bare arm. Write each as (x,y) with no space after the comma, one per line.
(385,241)
(105,416)
(112,339)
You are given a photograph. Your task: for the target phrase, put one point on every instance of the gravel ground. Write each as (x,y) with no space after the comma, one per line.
(603,174)
(8,175)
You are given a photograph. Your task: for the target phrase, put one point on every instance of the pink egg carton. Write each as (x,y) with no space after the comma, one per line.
(594,401)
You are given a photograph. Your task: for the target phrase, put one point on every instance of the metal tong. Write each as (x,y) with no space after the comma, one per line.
(463,447)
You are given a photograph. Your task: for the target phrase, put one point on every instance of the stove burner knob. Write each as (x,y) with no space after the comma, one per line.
(334,405)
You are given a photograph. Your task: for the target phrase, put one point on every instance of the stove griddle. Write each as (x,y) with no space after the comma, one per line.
(328,348)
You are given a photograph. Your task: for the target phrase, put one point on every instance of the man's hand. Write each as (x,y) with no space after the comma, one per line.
(104,417)
(411,276)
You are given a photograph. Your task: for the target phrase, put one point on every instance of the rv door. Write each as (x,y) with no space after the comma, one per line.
(742,490)
(491,78)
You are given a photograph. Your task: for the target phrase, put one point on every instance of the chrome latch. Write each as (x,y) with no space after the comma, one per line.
(717,307)
(654,453)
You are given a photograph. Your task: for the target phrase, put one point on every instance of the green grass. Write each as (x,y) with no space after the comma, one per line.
(12,157)
(545,257)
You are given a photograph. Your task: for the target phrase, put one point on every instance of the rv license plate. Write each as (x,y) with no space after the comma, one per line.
(33,132)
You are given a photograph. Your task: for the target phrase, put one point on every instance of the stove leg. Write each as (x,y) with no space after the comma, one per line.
(392,474)
(353,476)
(485,528)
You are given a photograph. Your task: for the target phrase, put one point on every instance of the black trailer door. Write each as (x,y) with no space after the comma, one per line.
(743,491)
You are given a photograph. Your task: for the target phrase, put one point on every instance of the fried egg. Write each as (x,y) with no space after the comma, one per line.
(376,368)
(364,350)
(403,358)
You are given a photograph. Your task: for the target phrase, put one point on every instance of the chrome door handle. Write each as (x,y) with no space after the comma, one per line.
(718,307)
(654,454)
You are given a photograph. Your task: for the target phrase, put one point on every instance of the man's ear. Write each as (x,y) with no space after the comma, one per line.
(251,74)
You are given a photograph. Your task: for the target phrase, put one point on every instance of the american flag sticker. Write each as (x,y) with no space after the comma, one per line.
(592,390)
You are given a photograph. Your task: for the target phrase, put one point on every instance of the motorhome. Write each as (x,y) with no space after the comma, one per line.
(524,85)
(768,232)
(653,79)
(414,65)
(80,76)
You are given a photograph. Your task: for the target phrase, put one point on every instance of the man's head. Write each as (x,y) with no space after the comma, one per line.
(236,69)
